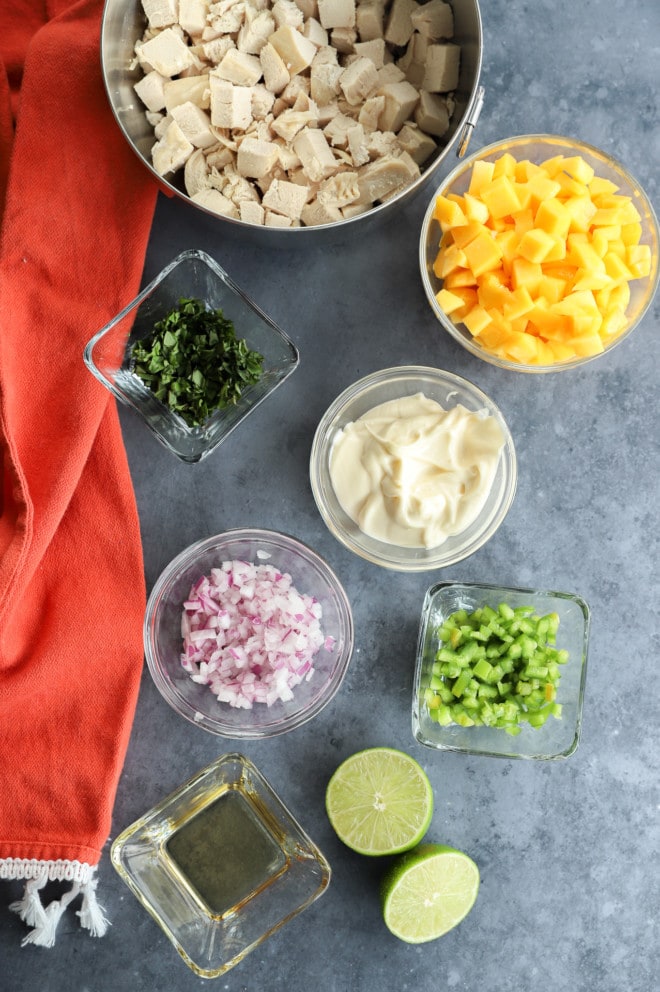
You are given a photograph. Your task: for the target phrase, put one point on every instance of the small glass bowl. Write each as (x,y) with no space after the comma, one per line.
(163,641)
(557,738)
(446,389)
(220,864)
(537,148)
(193,274)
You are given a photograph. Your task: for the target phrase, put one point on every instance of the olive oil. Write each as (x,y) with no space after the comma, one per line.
(226,852)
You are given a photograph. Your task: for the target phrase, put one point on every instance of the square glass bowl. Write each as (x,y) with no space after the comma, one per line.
(557,738)
(193,274)
(220,864)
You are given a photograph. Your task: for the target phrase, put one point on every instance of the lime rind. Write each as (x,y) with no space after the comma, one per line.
(380,802)
(428,892)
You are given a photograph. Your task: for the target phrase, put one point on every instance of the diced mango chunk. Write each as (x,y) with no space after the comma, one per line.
(536,260)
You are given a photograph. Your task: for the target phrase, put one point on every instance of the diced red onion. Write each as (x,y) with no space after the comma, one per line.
(250,635)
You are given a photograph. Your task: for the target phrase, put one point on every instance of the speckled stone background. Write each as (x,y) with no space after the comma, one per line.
(568,850)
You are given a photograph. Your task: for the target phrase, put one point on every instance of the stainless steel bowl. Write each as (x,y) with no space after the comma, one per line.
(123,24)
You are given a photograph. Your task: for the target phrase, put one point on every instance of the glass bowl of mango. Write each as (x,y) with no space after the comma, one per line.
(539,253)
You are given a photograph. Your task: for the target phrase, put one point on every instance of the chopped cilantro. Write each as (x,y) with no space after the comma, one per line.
(194,363)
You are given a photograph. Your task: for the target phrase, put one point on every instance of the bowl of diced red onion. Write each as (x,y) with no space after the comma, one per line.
(248,634)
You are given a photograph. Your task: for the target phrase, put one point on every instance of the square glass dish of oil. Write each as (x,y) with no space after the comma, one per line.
(220,864)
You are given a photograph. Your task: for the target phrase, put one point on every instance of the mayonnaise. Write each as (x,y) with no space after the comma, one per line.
(410,473)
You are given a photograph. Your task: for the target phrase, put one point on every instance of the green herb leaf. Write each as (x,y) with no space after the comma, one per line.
(194,363)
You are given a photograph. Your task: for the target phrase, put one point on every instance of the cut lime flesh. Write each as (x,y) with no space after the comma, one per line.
(428,892)
(379,801)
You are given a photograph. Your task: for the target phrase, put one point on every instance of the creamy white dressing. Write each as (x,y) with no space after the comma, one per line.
(411,473)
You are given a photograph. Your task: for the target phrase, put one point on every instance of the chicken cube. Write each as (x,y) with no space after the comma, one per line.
(150,89)
(192,16)
(431,114)
(337,13)
(399,27)
(285,198)
(171,151)
(434,19)
(160,13)
(358,80)
(442,67)
(294,49)
(195,124)
(256,157)
(168,54)
(231,106)
(400,101)
(240,68)
(276,74)
(315,153)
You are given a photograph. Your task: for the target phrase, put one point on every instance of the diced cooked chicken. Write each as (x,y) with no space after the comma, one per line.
(262,101)
(399,27)
(442,67)
(289,112)
(193,89)
(337,13)
(343,39)
(195,173)
(276,74)
(150,89)
(369,20)
(434,19)
(310,8)
(213,199)
(413,61)
(240,68)
(383,177)
(291,122)
(294,49)
(340,190)
(255,30)
(192,16)
(277,220)
(400,101)
(287,12)
(357,145)
(168,54)
(358,81)
(295,90)
(414,141)
(215,50)
(171,151)
(324,81)
(251,212)
(195,124)
(370,112)
(314,31)
(316,213)
(160,13)
(315,153)
(231,106)
(390,73)
(431,114)
(336,130)
(285,198)
(374,50)
(226,17)
(256,157)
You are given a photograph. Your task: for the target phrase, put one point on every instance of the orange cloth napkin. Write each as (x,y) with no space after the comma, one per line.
(78,209)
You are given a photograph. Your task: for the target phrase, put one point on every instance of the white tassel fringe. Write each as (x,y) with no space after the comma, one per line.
(44,919)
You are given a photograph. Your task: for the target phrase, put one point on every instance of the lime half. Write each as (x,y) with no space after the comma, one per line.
(379,801)
(428,891)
